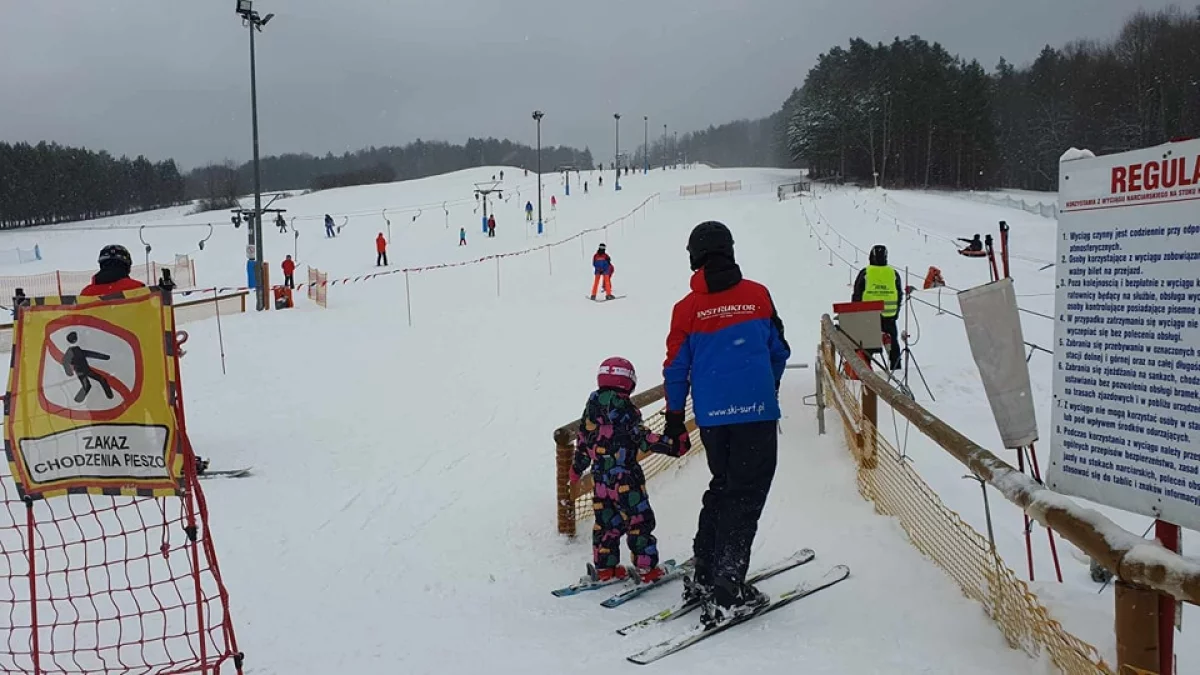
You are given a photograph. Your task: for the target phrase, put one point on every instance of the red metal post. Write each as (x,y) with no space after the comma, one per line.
(1004,251)
(1028,543)
(33,608)
(1168,534)
(1037,475)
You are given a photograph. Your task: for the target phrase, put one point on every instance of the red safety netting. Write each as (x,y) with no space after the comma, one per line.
(118,585)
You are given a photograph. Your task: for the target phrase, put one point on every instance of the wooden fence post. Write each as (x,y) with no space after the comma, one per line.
(866,436)
(1137,630)
(564,454)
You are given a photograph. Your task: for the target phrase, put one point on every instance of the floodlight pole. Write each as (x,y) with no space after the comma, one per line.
(537,116)
(664,147)
(646,143)
(255,23)
(617,154)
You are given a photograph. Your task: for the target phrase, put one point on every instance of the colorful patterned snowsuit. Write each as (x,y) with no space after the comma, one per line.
(610,436)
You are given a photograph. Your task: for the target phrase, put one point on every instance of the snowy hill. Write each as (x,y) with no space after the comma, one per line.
(400,517)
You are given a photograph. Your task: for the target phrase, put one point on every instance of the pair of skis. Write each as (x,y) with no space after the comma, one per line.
(703,631)
(590,583)
(224,473)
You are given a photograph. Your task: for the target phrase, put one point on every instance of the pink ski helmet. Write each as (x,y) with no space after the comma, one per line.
(617,373)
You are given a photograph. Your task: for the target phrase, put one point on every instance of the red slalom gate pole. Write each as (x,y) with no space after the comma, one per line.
(1168,534)
(1037,475)
(1004,253)
(1028,543)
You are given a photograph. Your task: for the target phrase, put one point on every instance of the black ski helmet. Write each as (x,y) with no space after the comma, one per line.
(115,255)
(707,239)
(878,255)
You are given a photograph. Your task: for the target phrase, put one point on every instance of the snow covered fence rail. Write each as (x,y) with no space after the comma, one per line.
(575,501)
(1143,566)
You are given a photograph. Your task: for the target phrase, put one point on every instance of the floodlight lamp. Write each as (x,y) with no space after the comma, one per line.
(538,115)
(266,19)
(244,6)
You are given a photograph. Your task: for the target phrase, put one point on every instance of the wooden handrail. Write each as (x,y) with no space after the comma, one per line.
(1134,559)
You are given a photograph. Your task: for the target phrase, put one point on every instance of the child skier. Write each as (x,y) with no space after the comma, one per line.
(529,211)
(609,439)
(553,203)
(462,236)
(603,268)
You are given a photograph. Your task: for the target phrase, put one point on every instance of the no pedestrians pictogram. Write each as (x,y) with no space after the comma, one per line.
(90,369)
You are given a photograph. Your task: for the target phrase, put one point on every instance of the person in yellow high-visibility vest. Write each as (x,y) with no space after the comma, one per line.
(879,281)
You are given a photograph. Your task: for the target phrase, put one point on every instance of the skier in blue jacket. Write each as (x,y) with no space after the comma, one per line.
(603,268)
(726,346)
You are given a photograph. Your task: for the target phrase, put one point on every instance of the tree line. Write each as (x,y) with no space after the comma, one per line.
(375,164)
(744,142)
(911,114)
(50,183)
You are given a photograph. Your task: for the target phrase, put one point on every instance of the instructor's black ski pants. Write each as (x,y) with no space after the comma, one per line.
(741,458)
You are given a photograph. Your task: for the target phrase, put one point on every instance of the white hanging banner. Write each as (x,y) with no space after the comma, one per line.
(998,346)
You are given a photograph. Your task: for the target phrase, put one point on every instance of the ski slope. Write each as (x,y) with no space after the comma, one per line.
(400,517)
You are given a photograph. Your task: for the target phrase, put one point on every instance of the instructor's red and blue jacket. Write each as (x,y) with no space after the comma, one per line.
(726,345)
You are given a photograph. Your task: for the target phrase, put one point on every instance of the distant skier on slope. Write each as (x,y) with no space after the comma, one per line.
(529,211)
(289,272)
(726,346)
(609,438)
(381,250)
(462,236)
(553,203)
(329,226)
(603,269)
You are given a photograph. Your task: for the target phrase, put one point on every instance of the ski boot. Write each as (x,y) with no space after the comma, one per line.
(731,600)
(648,575)
(608,573)
(610,296)
(201,465)
(697,587)
(591,297)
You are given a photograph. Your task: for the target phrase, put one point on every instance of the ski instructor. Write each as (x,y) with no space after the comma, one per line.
(726,345)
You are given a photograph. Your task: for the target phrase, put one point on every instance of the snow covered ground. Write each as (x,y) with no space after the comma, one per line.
(400,518)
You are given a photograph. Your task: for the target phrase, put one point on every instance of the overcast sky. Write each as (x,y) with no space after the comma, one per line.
(171,78)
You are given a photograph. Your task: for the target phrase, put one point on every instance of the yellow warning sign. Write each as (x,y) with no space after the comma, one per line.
(91,397)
